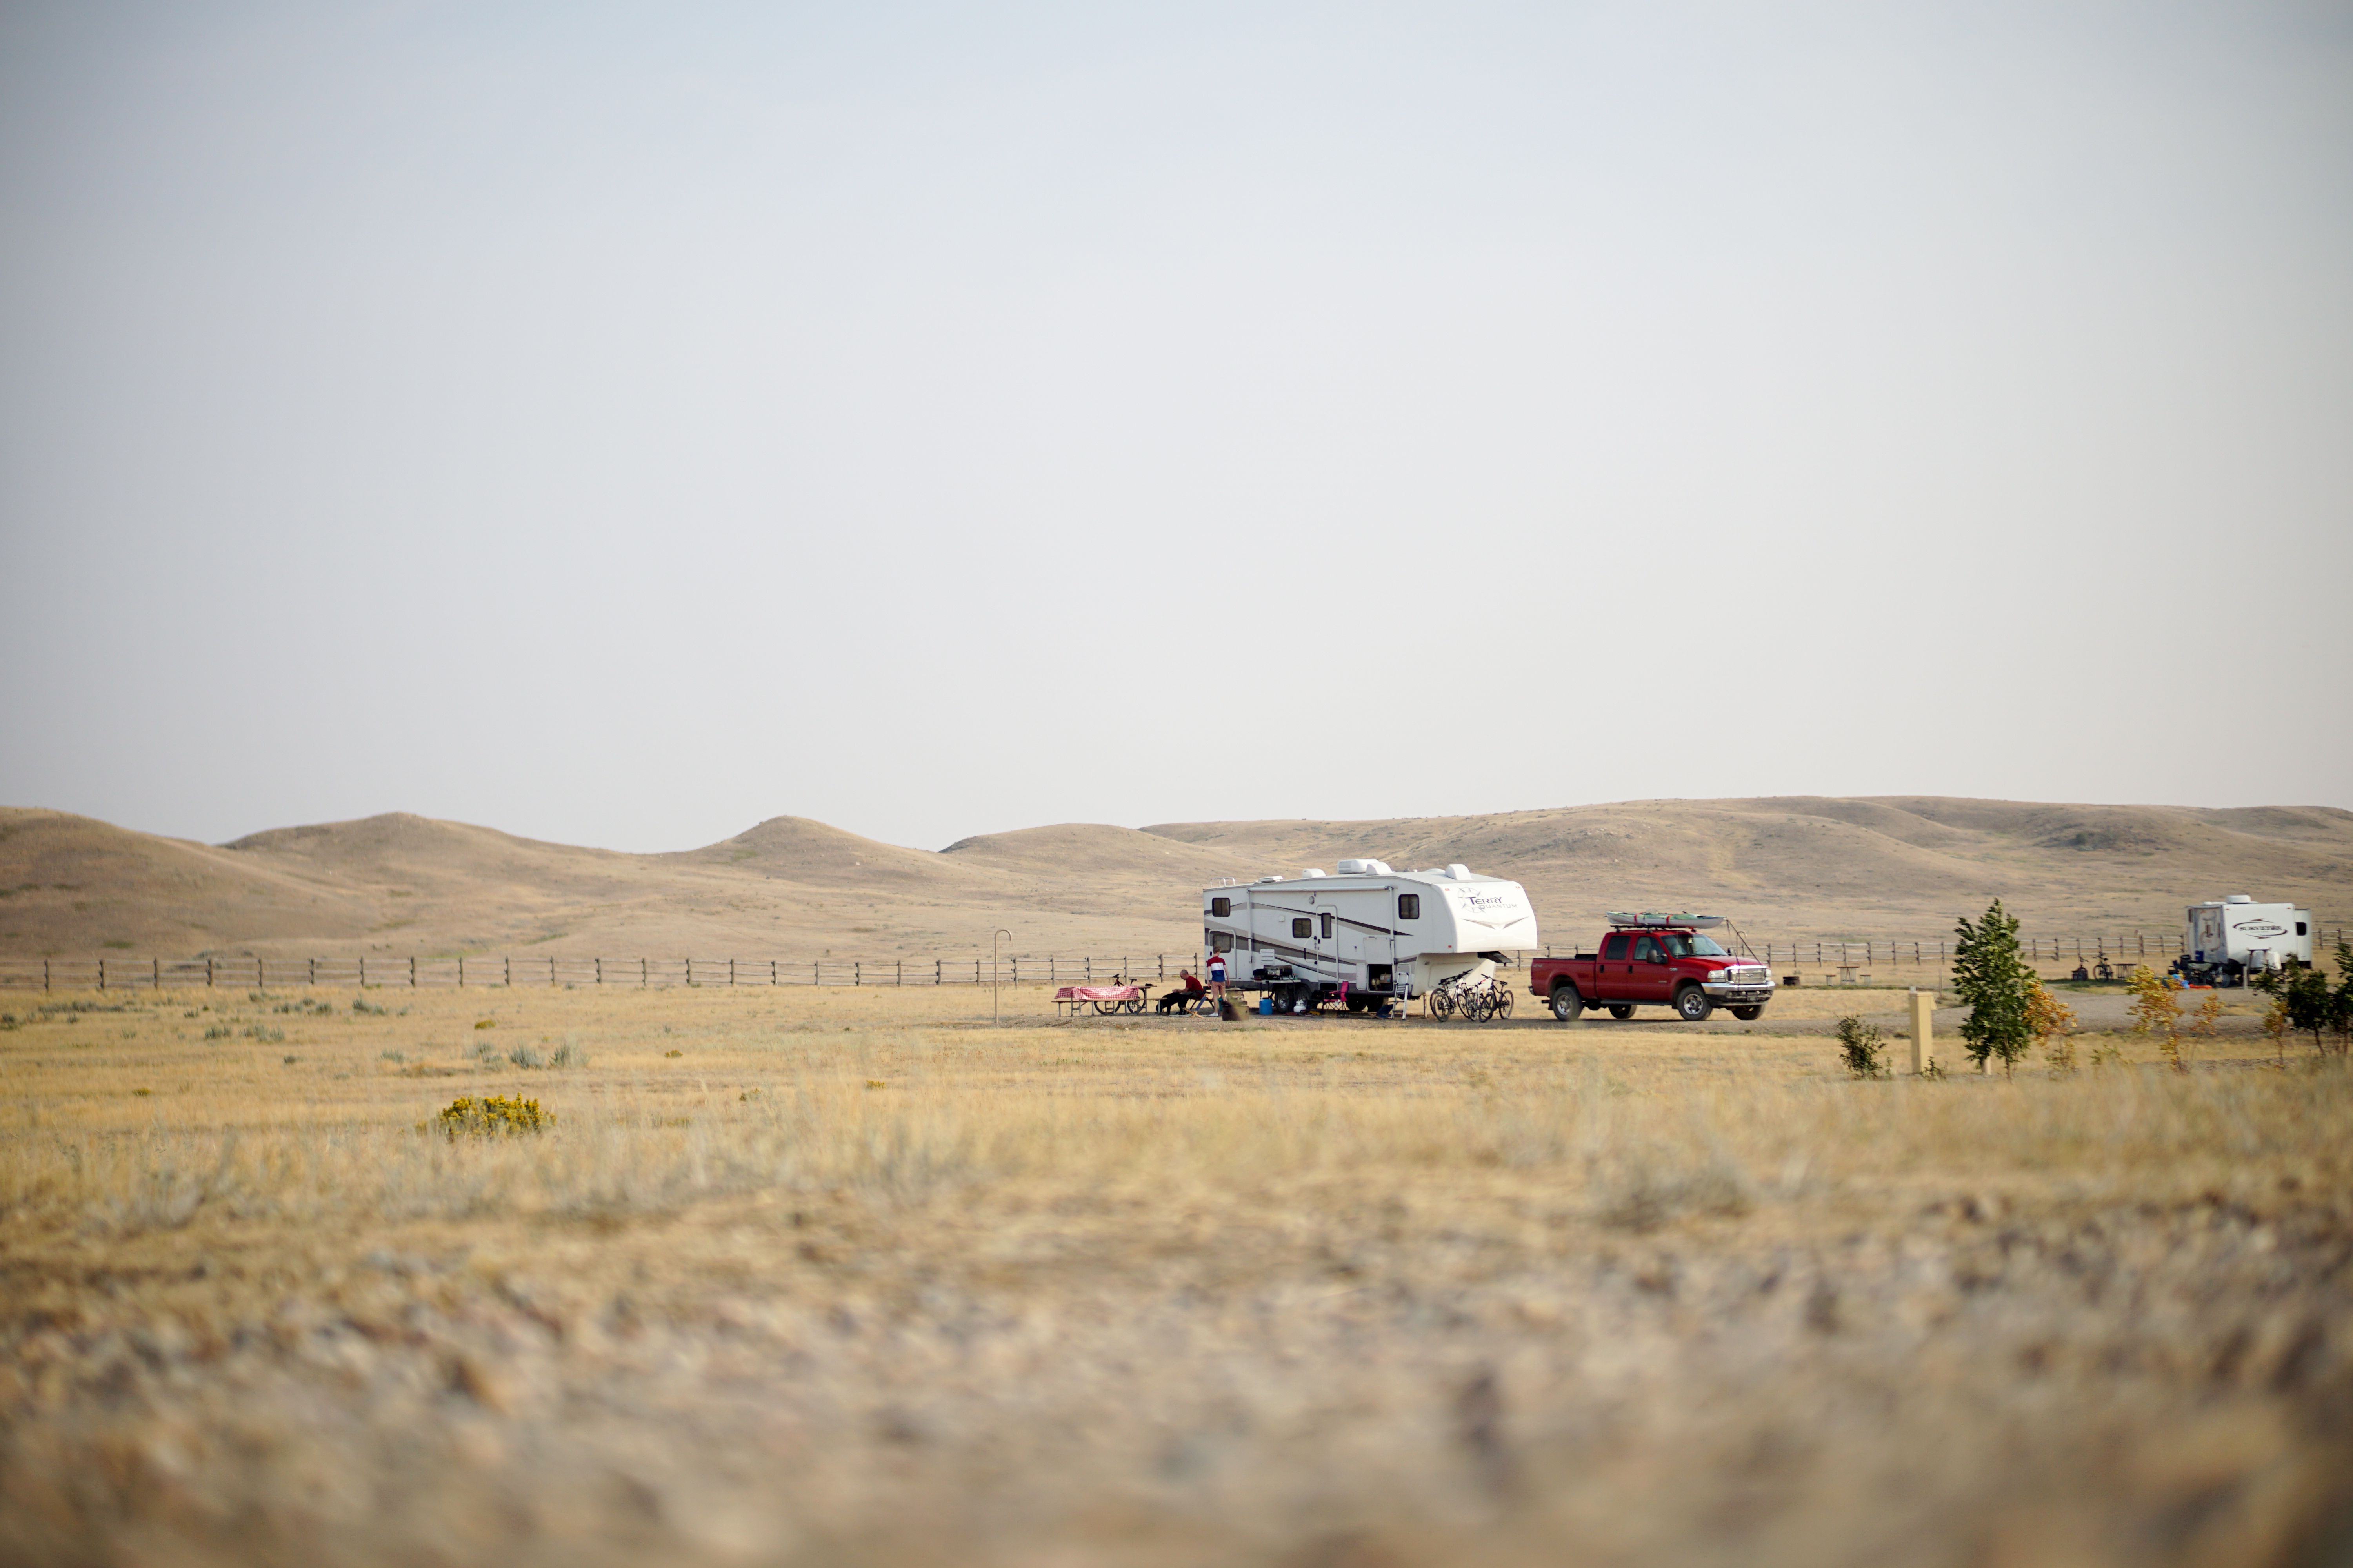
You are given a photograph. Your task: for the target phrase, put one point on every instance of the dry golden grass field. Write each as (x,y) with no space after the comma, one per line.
(815,1276)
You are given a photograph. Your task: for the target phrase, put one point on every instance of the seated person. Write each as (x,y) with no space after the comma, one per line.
(1188,991)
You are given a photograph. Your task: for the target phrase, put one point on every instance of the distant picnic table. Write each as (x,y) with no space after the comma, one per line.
(1104,999)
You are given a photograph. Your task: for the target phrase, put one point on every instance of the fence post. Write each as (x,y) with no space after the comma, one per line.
(412,971)
(462,971)
(645,973)
(45,971)
(690,971)
(156,984)
(208,971)
(936,975)
(772,971)
(857,973)
(102,975)
(901,971)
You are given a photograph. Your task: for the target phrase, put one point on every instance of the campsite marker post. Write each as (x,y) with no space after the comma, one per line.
(992,971)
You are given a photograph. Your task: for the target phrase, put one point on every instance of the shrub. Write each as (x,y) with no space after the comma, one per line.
(2053,1023)
(1863,1051)
(362,1005)
(526,1056)
(568,1054)
(218,1032)
(2156,1009)
(265,1033)
(484,1051)
(485,1023)
(494,1114)
(392,1055)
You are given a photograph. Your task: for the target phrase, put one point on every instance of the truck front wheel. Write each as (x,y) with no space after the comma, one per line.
(1692,1005)
(1567,1005)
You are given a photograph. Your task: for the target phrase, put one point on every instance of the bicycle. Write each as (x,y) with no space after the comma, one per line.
(1440,1002)
(1477,998)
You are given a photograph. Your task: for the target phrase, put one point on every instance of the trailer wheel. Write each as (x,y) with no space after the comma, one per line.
(1567,1005)
(1748,1015)
(1621,1009)
(1692,1005)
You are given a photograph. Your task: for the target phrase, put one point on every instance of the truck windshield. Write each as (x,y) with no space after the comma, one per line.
(1682,944)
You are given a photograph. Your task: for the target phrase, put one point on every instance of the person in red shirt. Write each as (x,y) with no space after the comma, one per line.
(1189,991)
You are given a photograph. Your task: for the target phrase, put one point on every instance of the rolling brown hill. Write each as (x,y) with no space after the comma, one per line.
(1814,866)
(1811,867)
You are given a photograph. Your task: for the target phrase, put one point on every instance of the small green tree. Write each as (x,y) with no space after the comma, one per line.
(1997,987)
(2305,1001)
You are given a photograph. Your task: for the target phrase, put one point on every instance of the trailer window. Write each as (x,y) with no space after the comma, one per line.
(1302,926)
(1221,941)
(2300,931)
(1613,946)
(1221,907)
(1408,906)
(1327,925)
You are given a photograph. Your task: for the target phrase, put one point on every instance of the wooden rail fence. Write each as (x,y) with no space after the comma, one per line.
(114,973)
(260,973)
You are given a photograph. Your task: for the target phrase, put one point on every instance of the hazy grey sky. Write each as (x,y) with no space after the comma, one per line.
(618,423)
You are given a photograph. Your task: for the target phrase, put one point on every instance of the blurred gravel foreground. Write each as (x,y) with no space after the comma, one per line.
(826,1277)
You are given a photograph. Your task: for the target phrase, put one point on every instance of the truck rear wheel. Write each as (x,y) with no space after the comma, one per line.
(1567,1005)
(1692,1005)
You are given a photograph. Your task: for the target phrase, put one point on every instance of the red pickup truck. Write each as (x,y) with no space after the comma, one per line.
(1665,960)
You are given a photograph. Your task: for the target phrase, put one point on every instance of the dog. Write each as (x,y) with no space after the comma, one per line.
(1176,1001)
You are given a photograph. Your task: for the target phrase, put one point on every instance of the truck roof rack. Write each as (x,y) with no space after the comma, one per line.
(1697,922)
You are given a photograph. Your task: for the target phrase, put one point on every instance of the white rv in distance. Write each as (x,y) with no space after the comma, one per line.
(1364,933)
(2222,940)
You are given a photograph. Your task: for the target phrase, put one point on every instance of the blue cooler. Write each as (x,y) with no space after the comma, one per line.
(1266,1006)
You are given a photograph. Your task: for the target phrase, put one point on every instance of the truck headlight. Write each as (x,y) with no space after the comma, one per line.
(1718,976)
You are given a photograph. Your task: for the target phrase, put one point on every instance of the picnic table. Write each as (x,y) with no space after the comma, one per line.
(1105,999)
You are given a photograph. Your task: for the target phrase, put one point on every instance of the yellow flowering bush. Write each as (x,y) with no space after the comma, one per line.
(494,1114)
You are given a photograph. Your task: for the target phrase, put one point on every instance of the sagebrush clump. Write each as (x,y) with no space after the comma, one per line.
(1863,1050)
(494,1114)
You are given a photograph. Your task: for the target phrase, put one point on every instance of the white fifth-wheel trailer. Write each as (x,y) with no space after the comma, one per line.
(1363,933)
